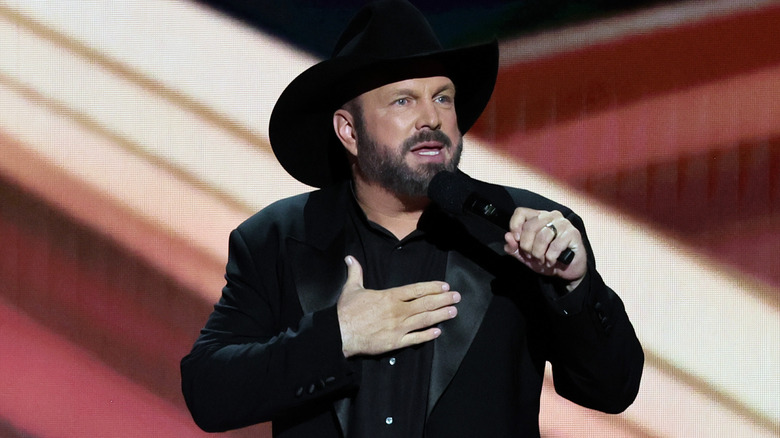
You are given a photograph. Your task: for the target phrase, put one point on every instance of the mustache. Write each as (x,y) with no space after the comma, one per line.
(422,136)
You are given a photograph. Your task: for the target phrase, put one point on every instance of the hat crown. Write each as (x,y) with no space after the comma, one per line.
(387,29)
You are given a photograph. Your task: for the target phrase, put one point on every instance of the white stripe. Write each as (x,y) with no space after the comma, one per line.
(643,21)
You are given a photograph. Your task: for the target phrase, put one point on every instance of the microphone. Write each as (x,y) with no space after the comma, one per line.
(455,194)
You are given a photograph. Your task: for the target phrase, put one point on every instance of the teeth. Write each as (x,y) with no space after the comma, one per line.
(429,153)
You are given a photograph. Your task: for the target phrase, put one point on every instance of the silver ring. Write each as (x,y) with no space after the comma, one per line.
(554,230)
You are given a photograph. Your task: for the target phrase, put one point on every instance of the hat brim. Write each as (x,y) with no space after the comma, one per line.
(301,124)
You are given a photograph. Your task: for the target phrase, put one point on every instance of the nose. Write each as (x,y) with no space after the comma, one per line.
(429,116)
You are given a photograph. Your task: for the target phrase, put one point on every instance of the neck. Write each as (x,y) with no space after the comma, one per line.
(397,214)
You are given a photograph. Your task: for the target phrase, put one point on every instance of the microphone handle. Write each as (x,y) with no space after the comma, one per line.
(481,207)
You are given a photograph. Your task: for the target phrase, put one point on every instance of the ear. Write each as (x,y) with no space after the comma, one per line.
(345,130)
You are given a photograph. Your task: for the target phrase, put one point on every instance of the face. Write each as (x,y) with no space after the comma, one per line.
(406,132)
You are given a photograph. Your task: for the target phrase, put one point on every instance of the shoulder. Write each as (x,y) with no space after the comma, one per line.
(520,197)
(284,213)
(527,198)
(312,216)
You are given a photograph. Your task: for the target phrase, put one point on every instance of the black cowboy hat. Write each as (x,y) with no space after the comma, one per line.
(387,41)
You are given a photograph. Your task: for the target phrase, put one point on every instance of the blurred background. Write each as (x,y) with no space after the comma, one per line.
(133,138)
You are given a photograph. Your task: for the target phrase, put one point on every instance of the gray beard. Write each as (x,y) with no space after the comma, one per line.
(389,170)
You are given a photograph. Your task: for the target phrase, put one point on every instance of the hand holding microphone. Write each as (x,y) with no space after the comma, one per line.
(540,239)
(544,241)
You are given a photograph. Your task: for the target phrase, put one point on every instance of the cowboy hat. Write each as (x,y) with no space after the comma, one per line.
(387,41)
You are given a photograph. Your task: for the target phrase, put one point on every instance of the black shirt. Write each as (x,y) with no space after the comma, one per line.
(393,394)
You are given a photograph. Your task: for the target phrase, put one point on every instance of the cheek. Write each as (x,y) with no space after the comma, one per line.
(389,128)
(454,134)
(450,123)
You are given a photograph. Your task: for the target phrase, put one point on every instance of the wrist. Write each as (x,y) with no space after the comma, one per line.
(574,284)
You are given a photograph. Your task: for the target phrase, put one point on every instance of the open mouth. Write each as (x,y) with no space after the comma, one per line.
(428,149)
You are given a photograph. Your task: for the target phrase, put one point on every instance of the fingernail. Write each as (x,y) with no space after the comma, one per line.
(456,297)
(349,260)
(445,287)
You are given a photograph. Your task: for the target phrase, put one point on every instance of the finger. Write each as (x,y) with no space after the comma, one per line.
(518,219)
(528,236)
(433,302)
(429,319)
(538,232)
(543,242)
(420,337)
(510,247)
(562,239)
(571,239)
(354,273)
(418,290)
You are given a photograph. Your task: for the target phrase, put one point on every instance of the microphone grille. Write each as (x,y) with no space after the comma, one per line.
(450,191)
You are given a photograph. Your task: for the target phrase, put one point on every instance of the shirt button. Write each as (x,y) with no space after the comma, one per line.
(392,361)
(389,420)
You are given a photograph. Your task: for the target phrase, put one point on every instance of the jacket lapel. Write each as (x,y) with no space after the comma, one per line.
(317,249)
(450,348)
(471,265)
(319,275)
(316,254)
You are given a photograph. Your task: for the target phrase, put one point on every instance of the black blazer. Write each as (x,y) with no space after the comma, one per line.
(271,350)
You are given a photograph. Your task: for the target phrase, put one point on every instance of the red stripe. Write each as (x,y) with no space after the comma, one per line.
(679,127)
(80,285)
(539,93)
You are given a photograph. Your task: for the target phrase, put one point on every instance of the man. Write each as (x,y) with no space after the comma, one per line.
(440,325)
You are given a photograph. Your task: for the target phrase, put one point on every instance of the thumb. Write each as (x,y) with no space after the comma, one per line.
(354,273)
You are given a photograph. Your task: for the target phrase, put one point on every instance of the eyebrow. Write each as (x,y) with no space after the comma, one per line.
(410,92)
(445,87)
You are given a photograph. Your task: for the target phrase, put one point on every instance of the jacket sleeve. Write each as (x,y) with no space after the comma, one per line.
(256,359)
(596,357)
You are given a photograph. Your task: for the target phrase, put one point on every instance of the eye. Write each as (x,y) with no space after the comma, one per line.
(402,101)
(444,99)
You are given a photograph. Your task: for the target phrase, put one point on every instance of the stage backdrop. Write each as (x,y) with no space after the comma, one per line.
(133,138)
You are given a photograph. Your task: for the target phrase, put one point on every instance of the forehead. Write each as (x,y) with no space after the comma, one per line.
(434,84)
